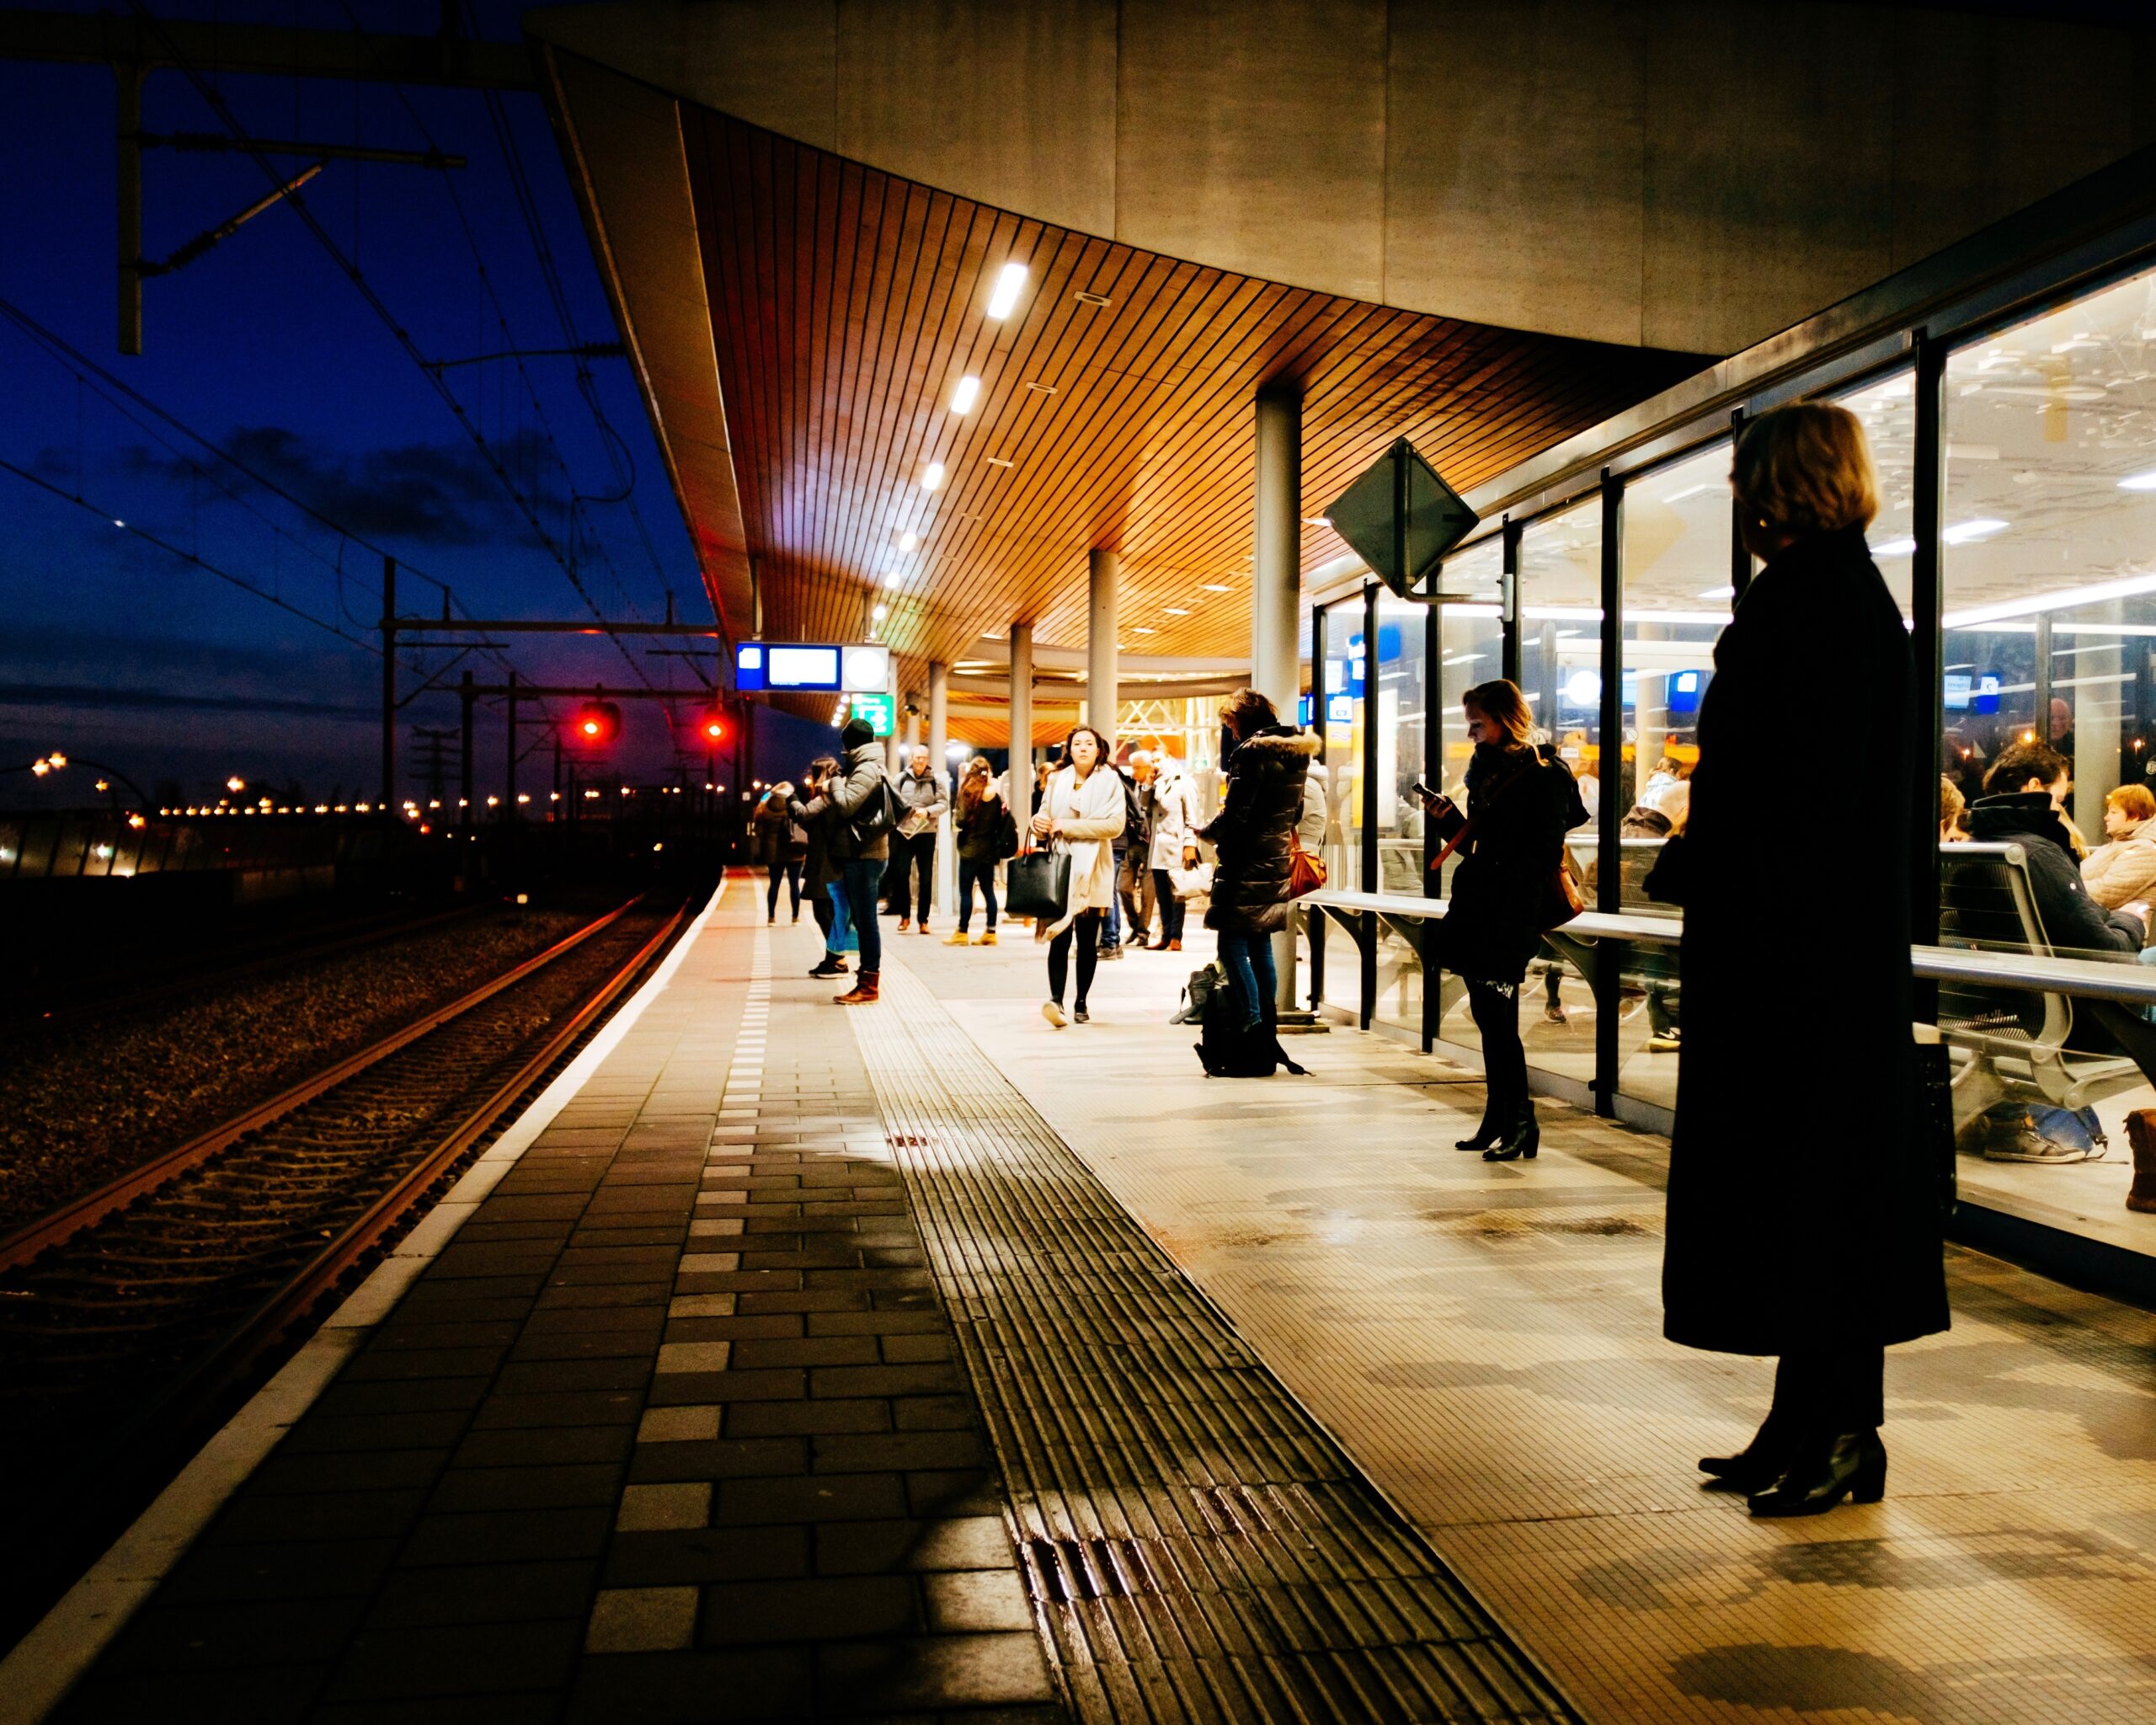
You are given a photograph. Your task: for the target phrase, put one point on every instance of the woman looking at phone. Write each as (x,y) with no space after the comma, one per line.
(1521,802)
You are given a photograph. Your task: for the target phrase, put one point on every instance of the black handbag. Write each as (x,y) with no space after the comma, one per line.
(1038,885)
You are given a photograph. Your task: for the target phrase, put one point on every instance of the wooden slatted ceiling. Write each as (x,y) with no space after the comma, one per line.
(847,303)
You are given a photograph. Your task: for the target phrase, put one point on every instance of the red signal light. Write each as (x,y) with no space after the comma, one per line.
(597,723)
(714,727)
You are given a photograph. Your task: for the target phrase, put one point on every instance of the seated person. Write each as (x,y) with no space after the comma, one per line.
(1952,804)
(2024,795)
(2122,872)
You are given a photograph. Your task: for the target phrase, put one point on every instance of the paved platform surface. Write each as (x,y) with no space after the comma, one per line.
(740,1397)
(1486,1342)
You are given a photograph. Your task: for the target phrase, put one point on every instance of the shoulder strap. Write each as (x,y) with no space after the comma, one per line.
(1467,826)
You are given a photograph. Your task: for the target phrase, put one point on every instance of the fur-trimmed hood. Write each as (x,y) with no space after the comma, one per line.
(1282,739)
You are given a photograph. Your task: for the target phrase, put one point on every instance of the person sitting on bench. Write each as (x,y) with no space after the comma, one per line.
(2024,796)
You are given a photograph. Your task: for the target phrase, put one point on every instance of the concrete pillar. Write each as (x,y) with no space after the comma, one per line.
(1276,588)
(939,755)
(1100,643)
(1019,777)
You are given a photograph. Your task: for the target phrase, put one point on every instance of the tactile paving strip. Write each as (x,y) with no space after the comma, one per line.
(1197,1547)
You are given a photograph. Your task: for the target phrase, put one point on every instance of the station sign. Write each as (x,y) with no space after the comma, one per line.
(811,667)
(1401,519)
(879,707)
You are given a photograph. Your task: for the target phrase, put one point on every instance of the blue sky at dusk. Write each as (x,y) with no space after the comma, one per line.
(115,648)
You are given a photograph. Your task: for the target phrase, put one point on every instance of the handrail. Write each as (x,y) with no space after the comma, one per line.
(2099,979)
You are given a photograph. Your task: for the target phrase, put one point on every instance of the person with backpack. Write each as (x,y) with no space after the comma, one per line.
(1082,811)
(859,810)
(1255,835)
(986,833)
(820,874)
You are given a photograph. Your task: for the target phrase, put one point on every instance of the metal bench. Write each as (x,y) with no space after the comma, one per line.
(2009,1042)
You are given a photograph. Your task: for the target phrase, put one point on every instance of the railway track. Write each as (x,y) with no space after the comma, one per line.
(131,1322)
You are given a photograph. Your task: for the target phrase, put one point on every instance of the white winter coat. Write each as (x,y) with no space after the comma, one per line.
(1092,815)
(1174,823)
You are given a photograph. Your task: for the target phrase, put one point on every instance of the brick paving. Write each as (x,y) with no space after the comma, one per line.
(670,1430)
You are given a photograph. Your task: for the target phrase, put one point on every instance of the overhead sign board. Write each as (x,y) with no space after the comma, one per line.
(810,667)
(1401,519)
(878,707)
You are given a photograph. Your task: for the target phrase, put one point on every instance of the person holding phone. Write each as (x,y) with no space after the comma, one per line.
(1521,802)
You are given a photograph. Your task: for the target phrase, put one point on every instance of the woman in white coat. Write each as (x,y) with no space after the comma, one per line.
(1080,813)
(1173,845)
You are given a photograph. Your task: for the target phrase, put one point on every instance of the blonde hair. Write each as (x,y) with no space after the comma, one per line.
(1806,469)
(2135,802)
(1503,704)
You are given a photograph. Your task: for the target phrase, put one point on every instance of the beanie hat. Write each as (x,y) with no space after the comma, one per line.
(857,732)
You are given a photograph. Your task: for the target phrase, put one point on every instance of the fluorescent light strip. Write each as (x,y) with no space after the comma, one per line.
(2064,599)
(1010,283)
(931,477)
(965,395)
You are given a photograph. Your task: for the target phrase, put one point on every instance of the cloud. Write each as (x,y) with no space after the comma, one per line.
(421,493)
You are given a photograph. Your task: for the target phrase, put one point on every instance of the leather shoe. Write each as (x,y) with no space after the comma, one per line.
(1757,1465)
(1523,1139)
(1850,1464)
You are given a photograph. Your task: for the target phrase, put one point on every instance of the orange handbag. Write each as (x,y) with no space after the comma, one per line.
(1305,872)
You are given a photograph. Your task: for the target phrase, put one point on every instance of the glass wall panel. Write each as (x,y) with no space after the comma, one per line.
(1471,650)
(2050,540)
(1887,406)
(1343,745)
(1678,591)
(1561,644)
(1400,725)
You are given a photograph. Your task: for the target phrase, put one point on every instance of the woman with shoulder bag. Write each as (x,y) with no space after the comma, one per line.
(1521,802)
(1254,837)
(980,827)
(1082,811)
(1810,1232)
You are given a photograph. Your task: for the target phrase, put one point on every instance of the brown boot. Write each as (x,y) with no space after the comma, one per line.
(2140,1133)
(864,990)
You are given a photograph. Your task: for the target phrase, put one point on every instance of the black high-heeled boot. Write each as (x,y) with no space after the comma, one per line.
(1491,1130)
(1850,1464)
(1760,1463)
(1522,1134)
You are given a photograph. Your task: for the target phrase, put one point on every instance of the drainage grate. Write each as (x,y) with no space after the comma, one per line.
(1196,1545)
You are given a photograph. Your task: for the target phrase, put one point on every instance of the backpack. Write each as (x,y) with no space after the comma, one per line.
(879,814)
(1228,1050)
(1133,822)
(1006,831)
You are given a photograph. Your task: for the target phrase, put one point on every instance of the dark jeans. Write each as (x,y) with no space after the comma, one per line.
(908,856)
(1172,907)
(1248,960)
(826,916)
(1111,934)
(969,875)
(789,871)
(1086,926)
(862,875)
(1495,1011)
(1831,1390)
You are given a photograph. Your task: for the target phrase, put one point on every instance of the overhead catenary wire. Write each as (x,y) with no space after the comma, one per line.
(403,336)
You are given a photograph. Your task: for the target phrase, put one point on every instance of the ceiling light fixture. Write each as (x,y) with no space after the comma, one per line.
(965,395)
(1144,632)
(931,477)
(1717,592)
(908,542)
(2139,482)
(1173,611)
(1010,283)
(1214,587)
(881,612)
(1981,528)
(1084,298)
(1317,520)
(2064,600)
(1692,491)
(997,460)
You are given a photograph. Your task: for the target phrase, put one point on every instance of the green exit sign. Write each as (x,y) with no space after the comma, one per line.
(879,709)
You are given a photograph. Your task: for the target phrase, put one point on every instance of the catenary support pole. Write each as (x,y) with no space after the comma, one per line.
(509,787)
(1276,590)
(1100,643)
(389,687)
(128,126)
(464,756)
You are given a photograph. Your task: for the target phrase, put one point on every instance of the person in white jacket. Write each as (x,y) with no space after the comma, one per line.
(1173,844)
(1082,811)
(2123,871)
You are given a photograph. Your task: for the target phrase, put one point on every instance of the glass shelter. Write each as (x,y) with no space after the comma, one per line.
(2014,430)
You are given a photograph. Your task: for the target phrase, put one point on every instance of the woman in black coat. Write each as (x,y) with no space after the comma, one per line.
(1522,802)
(1804,1217)
(1254,834)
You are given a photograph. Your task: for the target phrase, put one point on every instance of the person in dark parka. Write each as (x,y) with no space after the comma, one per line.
(1804,1217)
(1254,834)
(1522,801)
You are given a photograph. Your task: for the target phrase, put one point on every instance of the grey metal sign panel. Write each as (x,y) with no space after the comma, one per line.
(1401,518)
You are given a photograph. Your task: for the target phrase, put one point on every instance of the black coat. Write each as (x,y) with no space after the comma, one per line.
(1522,803)
(1254,833)
(2074,923)
(1803,1203)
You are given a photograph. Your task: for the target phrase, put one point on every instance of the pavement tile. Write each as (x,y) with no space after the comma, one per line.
(386,1663)
(828,1608)
(503,1536)
(482,1593)
(541,1446)
(564,1485)
(722,1458)
(935,1671)
(641,1620)
(706,1687)
(985,1600)
(653,1508)
(698,1555)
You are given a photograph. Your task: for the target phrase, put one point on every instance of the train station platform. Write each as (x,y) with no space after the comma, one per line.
(926,1362)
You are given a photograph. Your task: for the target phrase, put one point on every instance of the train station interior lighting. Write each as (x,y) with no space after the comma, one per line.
(931,477)
(1003,298)
(2139,482)
(880,612)
(908,542)
(964,397)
